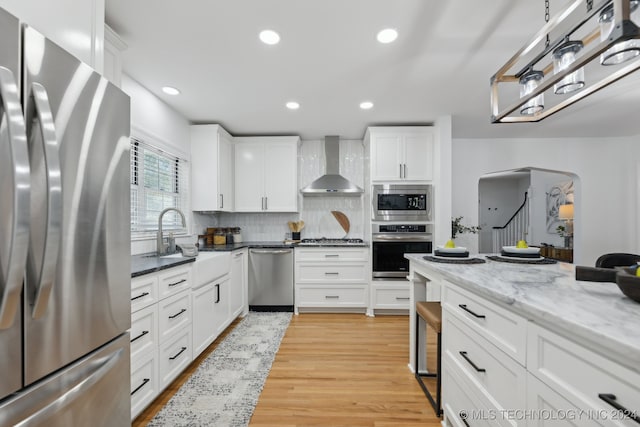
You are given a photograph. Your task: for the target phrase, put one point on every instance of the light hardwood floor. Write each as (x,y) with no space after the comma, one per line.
(336,370)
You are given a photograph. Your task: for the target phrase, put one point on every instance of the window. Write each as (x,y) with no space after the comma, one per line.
(158,181)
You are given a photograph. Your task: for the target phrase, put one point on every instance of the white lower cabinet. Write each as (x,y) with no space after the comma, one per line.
(238,284)
(160,316)
(204,332)
(175,355)
(515,372)
(390,295)
(221,308)
(144,381)
(327,279)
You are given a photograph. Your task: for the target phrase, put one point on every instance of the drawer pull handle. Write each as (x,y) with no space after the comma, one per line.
(402,298)
(144,383)
(178,313)
(332,255)
(178,354)
(144,294)
(332,296)
(331,273)
(464,307)
(611,400)
(217,293)
(178,282)
(464,355)
(139,336)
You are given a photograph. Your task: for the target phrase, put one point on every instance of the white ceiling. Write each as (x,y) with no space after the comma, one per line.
(329,61)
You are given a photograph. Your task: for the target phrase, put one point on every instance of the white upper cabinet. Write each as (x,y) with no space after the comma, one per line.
(401,153)
(266,174)
(211,169)
(113,48)
(77,26)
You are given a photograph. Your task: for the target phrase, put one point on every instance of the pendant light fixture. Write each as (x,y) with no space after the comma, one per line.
(563,56)
(596,38)
(622,51)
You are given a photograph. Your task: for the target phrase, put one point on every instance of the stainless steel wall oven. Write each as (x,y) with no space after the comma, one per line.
(391,241)
(402,202)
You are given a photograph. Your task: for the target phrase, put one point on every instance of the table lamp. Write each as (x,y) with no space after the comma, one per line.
(565,213)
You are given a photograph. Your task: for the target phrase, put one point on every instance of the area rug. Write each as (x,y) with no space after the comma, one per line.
(224,390)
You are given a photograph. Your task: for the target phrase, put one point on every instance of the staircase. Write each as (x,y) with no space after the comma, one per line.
(515,229)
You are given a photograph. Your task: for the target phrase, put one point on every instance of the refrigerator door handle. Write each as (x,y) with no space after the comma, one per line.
(11,280)
(47,270)
(83,383)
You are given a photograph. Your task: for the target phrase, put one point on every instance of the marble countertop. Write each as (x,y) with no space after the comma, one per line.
(550,295)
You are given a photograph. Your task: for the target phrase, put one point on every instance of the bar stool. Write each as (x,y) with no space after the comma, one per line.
(431,313)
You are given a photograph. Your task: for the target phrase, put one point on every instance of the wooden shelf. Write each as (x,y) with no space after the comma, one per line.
(560,254)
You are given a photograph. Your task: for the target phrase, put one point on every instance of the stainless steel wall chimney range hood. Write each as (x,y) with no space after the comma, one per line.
(332,183)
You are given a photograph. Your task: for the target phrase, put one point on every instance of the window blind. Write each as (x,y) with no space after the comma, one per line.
(159,180)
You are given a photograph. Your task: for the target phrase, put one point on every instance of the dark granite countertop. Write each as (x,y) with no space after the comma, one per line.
(150,263)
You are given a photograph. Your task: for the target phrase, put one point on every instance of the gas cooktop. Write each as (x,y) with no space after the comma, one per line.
(323,241)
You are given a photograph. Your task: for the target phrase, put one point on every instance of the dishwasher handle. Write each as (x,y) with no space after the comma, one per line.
(270,251)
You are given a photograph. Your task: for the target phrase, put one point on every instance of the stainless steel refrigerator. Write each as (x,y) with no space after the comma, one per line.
(64,237)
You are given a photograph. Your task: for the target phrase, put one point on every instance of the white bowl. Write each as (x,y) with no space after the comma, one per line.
(456,250)
(515,250)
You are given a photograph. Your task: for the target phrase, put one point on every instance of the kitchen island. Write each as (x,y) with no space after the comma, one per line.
(529,337)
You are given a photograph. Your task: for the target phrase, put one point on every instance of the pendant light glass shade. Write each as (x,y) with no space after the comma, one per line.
(626,49)
(528,83)
(563,56)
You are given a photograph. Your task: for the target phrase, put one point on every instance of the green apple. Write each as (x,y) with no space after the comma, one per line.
(522,244)
(450,244)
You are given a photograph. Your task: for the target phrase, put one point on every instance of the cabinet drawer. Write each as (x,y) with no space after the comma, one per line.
(502,328)
(541,399)
(458,403)
(332,255)
(397,298)
(581,375)
(144,381)
(144,291)
(144,331)
(174,313)
(174,280)
(334,296)
(500,380)
(328,273)
(175,355)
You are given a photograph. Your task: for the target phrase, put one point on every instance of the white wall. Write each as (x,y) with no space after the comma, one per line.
(607,194)
(158,124)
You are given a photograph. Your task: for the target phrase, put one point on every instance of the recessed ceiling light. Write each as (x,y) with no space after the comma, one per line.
(269,37)
(170,90)
(292,105)
(366,105)
(387,35)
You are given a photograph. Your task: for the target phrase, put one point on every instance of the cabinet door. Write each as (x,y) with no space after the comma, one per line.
(225,173)
(418,157)
(221,314)
(204,331)
(237,284)
(204,175)
(281,176)
(386,160)
(249,176)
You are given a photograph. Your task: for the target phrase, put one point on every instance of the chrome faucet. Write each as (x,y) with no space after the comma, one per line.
(160,243)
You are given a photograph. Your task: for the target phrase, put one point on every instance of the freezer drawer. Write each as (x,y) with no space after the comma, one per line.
(94,391)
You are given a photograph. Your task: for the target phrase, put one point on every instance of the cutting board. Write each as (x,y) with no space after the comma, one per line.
(343,220)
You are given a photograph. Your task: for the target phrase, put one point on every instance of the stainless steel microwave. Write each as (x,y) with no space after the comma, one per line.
(402,202)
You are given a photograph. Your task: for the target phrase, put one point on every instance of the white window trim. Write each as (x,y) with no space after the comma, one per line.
(158,145)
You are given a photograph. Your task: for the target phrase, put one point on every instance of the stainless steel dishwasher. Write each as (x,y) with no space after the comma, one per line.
(271,279)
